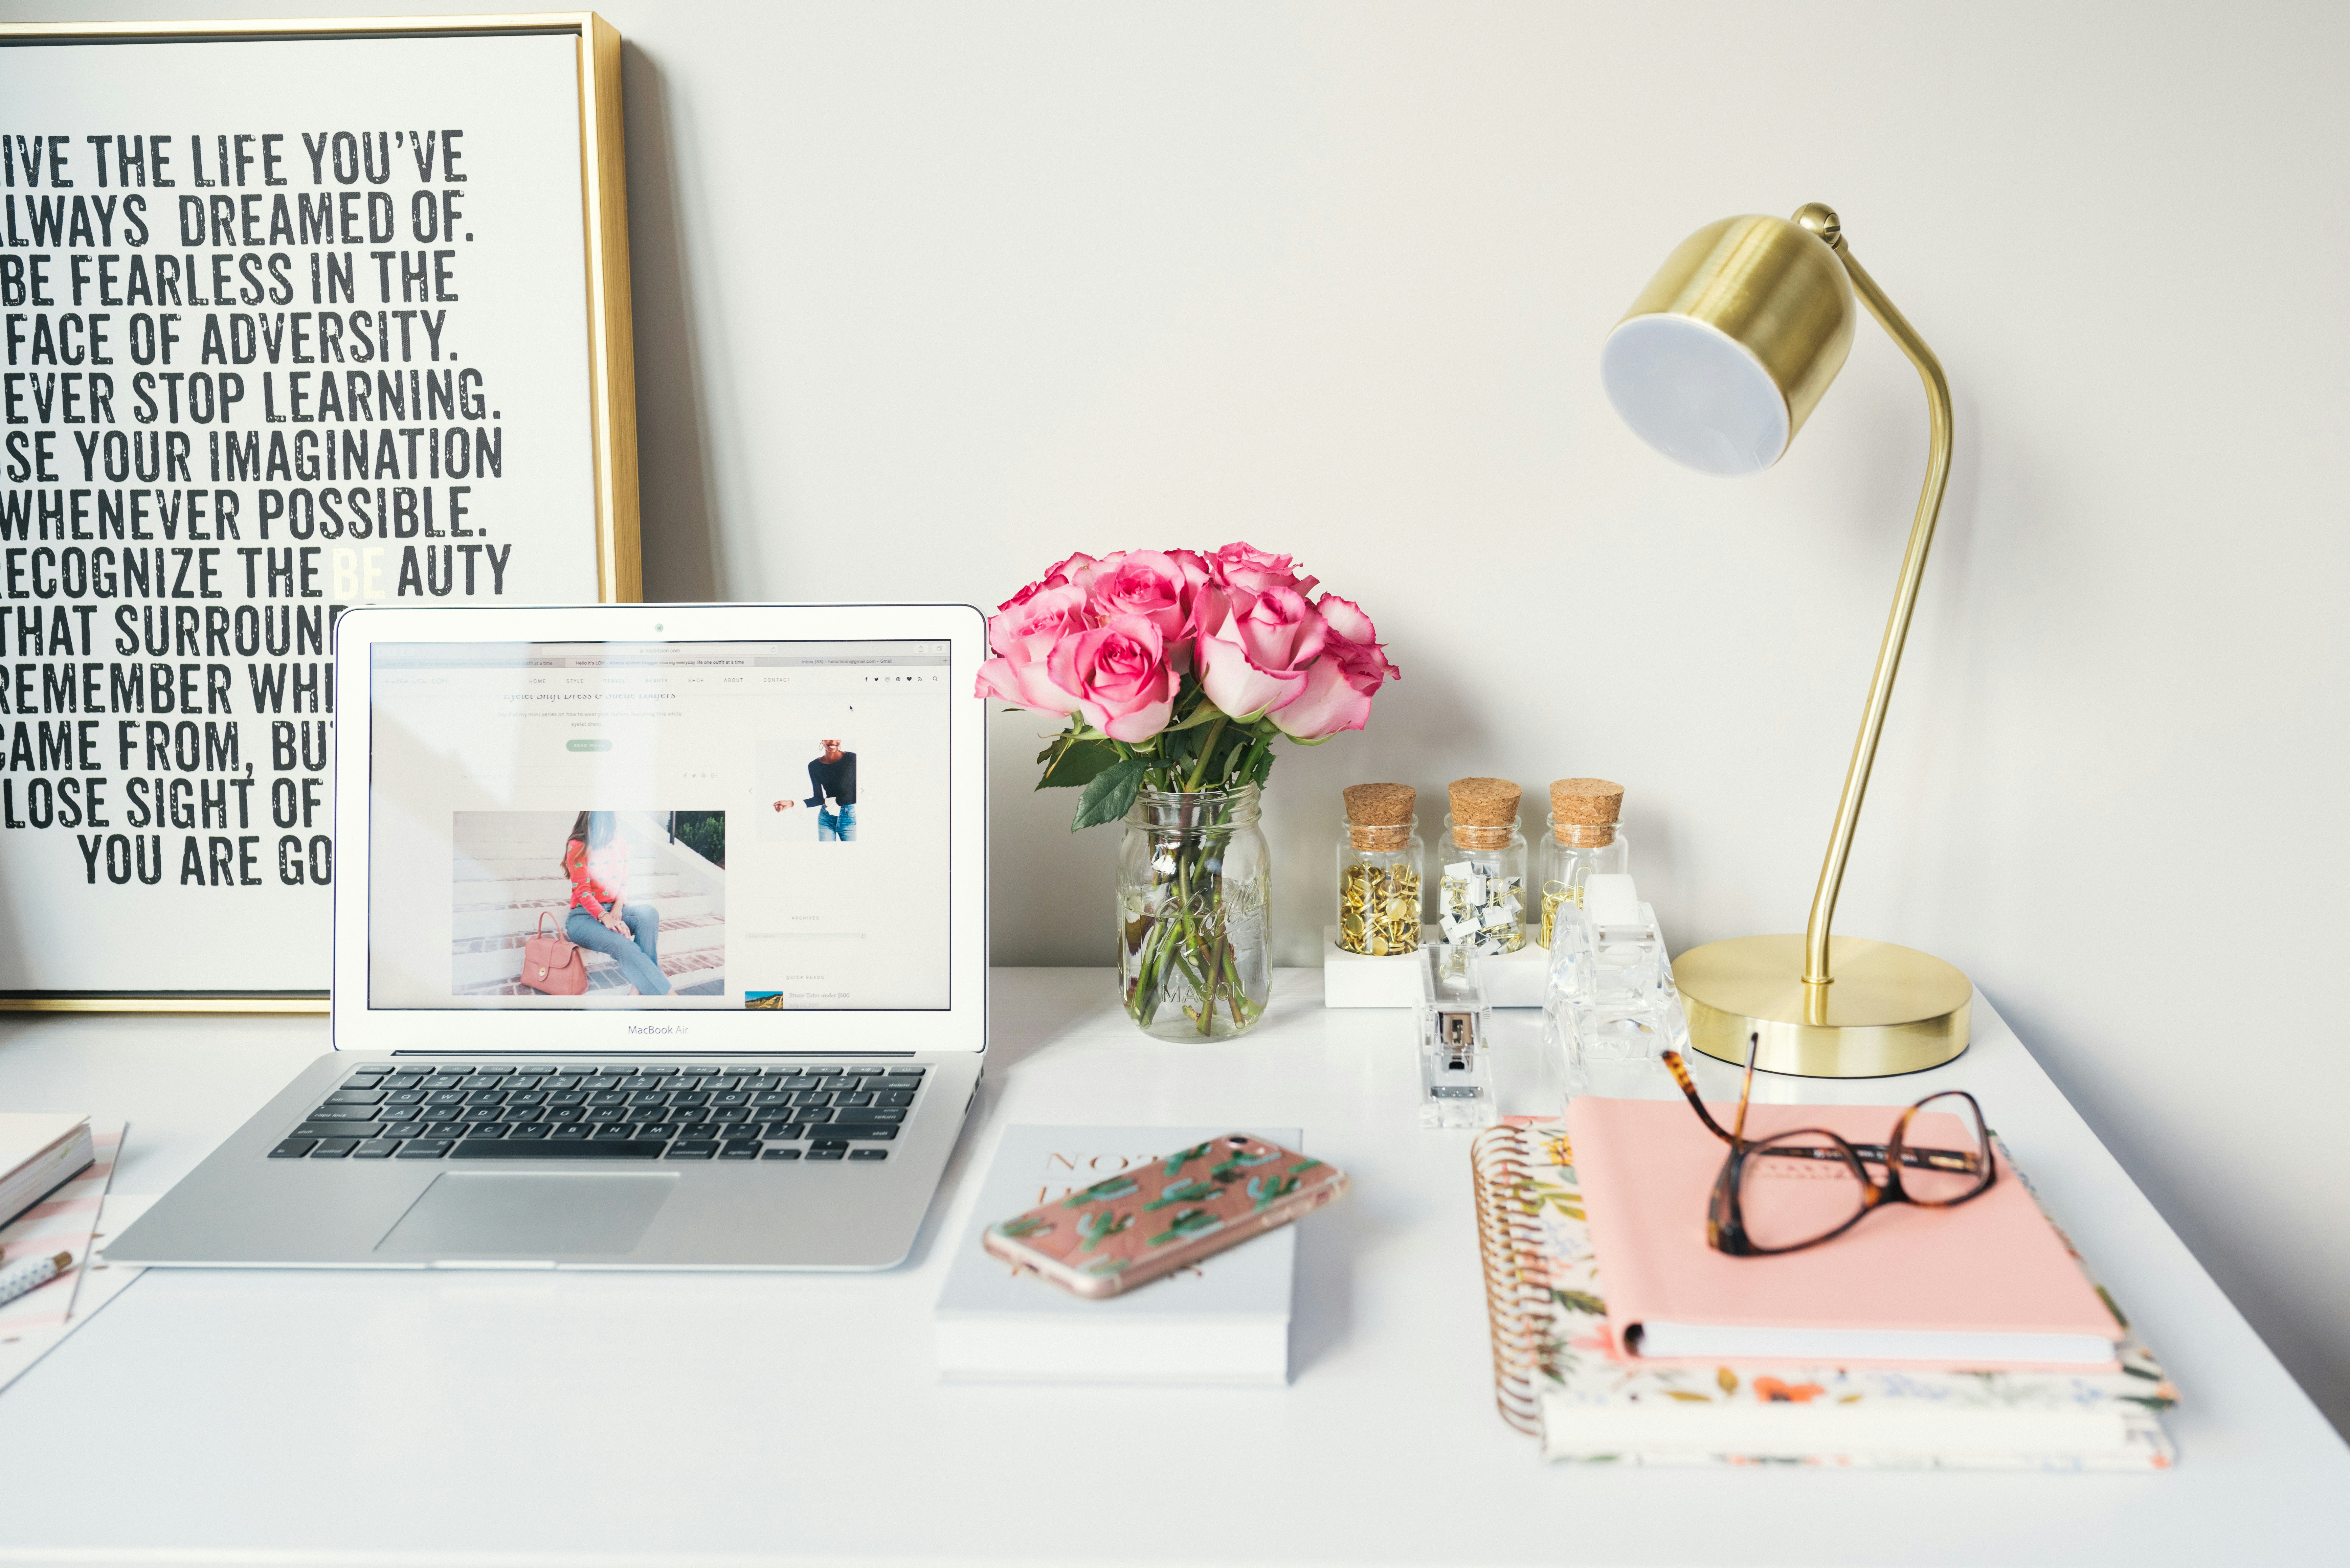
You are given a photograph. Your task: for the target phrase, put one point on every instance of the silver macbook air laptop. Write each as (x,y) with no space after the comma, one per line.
(660,941)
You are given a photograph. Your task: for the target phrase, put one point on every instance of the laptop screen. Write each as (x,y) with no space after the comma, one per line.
(659,826)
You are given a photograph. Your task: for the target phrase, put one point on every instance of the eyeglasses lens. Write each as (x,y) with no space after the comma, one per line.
(1796,1187)
(1947,1152)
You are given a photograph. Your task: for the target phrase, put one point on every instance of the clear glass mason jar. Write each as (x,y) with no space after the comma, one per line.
(1571,852)
(1195,914)
(1378,887)
(1481,898)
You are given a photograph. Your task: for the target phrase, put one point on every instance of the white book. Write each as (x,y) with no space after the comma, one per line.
(1223,1321)
(39,1152)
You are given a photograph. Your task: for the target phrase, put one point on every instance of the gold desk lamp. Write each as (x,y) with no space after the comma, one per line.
(1717,365)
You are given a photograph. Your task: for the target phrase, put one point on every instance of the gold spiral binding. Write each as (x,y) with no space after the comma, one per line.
(1517,1279)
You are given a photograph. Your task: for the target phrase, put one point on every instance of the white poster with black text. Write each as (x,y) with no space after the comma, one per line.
(289,325)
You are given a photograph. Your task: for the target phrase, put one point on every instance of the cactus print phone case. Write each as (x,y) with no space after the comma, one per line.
(1156,1217)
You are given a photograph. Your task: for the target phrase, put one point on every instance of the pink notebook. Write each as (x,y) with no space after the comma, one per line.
(1986,1284)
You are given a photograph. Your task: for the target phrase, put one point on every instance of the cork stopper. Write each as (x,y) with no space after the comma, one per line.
(1483,803)
(1484,812)
(1378,816)
(1380,804)
(1584,811)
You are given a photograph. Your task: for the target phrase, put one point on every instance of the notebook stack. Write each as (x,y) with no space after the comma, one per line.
(1966,1337)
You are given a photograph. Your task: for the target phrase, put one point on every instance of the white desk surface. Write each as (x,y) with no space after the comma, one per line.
(265,1418)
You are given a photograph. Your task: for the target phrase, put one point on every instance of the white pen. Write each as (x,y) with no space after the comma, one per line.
(22,1276)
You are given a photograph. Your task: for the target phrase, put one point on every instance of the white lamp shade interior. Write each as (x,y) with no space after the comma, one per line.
(1695,394)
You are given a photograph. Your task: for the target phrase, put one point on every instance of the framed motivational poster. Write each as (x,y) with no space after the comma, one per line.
(294,317)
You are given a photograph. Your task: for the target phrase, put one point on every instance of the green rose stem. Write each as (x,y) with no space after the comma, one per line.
(1207,749)
(1241,761)
(1215,974)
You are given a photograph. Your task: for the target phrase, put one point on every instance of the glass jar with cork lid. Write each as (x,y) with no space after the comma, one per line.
(1378,871)
(1582,841)
(1481,900)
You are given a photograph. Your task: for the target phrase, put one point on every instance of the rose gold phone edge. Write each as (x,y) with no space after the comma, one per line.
(1097,1287)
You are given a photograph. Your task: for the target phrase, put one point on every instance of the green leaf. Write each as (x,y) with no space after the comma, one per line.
(1203,714)
(1071,762)
(1110,794)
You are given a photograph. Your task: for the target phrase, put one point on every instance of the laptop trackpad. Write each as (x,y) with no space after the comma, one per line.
(530,1215)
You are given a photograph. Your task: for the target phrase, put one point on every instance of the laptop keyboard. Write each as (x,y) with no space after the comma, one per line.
(399,1111)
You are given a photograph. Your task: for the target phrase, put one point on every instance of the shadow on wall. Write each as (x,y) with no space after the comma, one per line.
(1050,898)
(681,542)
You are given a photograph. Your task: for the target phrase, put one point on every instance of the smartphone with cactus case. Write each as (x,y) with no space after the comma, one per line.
(1154,1219)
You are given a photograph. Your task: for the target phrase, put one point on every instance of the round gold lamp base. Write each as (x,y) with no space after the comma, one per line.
(1889,1009)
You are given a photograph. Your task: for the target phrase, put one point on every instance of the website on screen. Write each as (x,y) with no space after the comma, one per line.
(660,826)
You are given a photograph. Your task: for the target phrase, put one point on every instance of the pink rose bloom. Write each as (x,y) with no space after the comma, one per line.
(1150,584)
(1244,571)
(1033,623)
(1339,687)
(1259,659)
(1204,601)
(1124,685)
(1074,568)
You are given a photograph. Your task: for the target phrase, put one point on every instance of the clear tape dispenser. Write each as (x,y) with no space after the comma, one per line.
(1611,996)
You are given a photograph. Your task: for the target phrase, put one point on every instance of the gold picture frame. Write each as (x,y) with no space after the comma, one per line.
(609,371)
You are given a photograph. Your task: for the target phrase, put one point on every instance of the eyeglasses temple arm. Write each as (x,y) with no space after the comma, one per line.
(1680,1071)
(1746,1090)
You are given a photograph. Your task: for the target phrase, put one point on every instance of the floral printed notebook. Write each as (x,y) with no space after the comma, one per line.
(1555,1375)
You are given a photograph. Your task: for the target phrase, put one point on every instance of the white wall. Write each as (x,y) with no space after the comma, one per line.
(928,294)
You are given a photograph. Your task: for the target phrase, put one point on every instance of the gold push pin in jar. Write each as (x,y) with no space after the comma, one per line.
(1378,871)
(1584,841)
(1480,901)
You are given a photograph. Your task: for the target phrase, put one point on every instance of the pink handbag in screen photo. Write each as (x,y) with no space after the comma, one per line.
(553,963)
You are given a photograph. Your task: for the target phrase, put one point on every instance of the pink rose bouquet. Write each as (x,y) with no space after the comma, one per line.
(1177,672)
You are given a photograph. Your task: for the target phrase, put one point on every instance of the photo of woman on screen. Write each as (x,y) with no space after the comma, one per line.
(596,859)
(832,785)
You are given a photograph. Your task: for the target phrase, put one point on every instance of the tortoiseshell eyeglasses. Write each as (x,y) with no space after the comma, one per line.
(1795,1190)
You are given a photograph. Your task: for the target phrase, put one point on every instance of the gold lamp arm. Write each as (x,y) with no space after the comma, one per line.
(1905,599)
